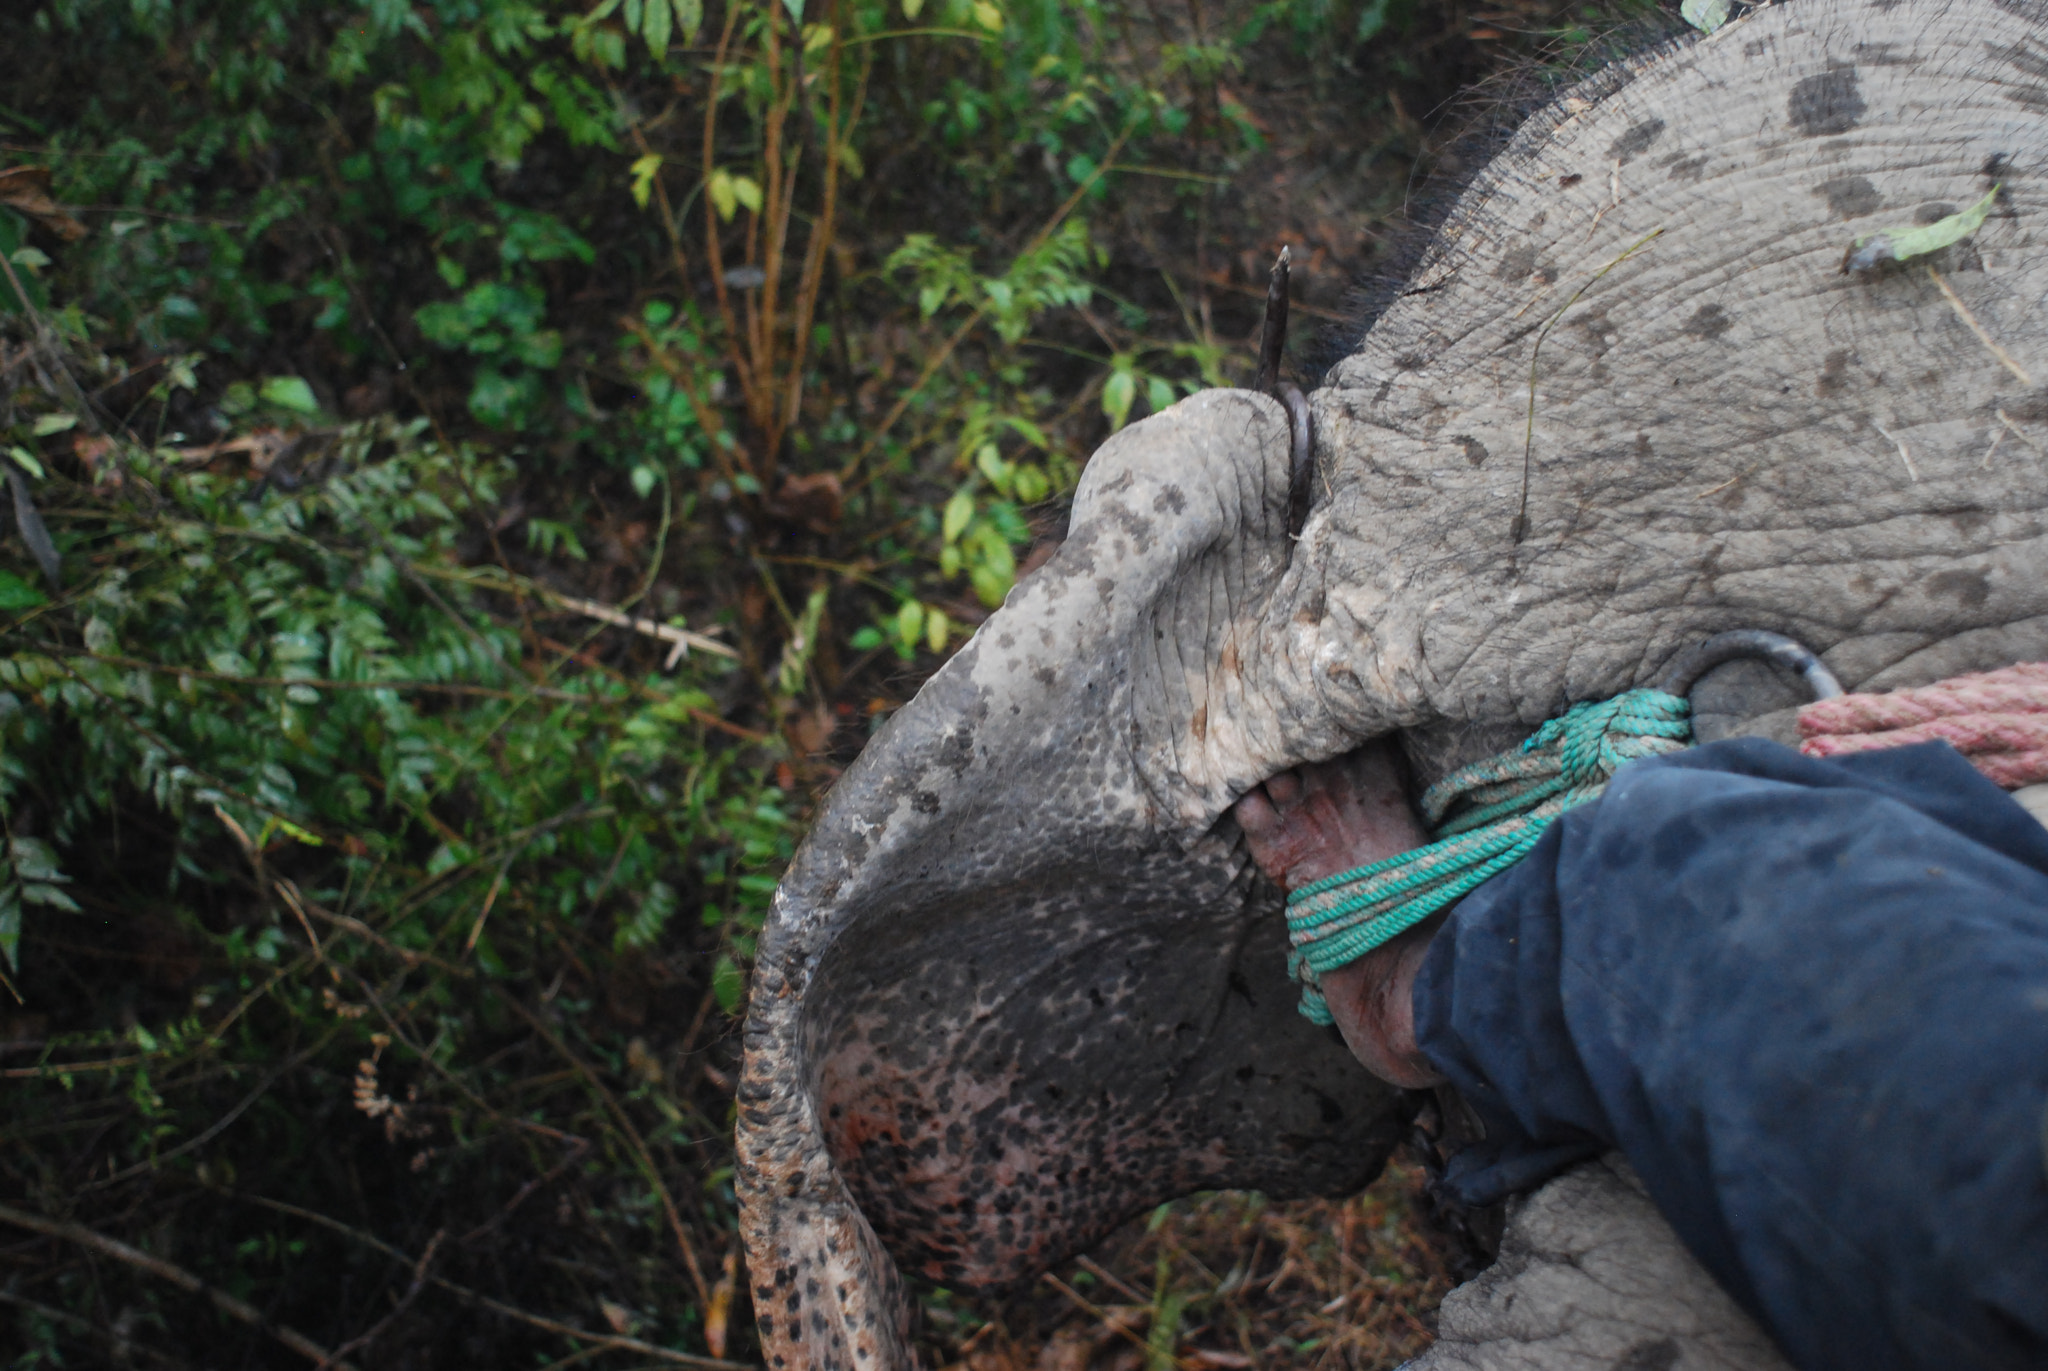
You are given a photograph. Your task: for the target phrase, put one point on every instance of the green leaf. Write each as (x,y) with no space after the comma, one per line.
(10,925)
(912,8)
(644,170)
(289,392)
(988,16)
(1117,394)
(728,983)
(1030,484)
(991,464)
(1705,15)
(26,460)
(539,349)
(689,18)
(1903,244)
(654,27)
(959,510)
(990,584)
(796,11)
(866,639)
(1158,393)
(747,191)
(645,478)
(937,628)
(909,622)
(724,198)
(17,595)
(47,424)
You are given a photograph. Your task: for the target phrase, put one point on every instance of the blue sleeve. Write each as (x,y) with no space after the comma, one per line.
(1809,1001)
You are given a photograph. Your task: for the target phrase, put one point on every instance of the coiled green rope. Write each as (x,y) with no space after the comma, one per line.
(1485,817)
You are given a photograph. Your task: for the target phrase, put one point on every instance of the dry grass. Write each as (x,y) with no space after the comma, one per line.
(1221,1281)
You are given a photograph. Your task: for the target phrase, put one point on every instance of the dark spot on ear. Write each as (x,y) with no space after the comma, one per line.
(1643,449)
(1475,451)
(1568,180)
(1851,197)
(1826,104)
(1834,373)
(1970,589)
(1411,361)
(1660,1355)
(1686,168)
(1169,500)
(1934,211)
(1636,140)
(925,802)
(1709,322)
(1517,265)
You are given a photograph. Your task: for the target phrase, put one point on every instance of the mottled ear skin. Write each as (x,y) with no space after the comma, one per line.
(1000,1006)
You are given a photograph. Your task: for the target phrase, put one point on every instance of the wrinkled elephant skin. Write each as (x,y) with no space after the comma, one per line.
(999,1007)
(1022,981)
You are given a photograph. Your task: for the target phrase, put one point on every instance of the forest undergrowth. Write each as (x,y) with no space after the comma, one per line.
(478,470)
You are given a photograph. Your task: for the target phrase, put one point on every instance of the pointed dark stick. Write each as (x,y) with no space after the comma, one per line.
(1273,337)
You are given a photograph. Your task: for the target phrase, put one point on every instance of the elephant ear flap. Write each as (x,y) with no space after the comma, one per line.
(999,1006)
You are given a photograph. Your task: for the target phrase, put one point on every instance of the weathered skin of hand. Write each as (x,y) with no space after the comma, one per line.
(1024,980)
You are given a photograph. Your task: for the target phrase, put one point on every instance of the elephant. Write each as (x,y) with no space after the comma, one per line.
(1646,383)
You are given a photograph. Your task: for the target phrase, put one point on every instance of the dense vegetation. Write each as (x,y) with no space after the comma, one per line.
(478,468)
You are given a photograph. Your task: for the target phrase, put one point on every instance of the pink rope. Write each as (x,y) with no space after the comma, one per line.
(1997,719)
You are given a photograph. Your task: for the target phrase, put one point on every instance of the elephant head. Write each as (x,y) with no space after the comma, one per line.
(1022,980)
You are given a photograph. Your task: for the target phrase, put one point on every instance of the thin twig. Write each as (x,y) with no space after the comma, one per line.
(2016,431)
(221,1124)
(682,640)
(939,358)
(1983,335)
(1904,455)
(464,1293)
(176,1275)
(412,1292)
(519,1196)
(1520,528)
(301,906)
(1108,1277)
(113,1339)
(646,1159)
(322,683)
(1114,1324)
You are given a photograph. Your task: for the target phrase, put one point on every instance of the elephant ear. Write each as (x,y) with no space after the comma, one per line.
(1004,1001)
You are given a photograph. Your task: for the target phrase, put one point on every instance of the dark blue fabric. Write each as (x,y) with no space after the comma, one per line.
(1808,1000)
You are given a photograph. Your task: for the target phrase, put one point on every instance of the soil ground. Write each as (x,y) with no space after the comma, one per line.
(1222,1281)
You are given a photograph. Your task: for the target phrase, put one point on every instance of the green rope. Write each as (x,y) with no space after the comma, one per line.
(1485,818)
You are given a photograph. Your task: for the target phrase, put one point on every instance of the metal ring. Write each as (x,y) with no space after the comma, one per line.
(1685,670)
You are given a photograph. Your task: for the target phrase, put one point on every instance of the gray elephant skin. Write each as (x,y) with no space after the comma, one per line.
(1023,981)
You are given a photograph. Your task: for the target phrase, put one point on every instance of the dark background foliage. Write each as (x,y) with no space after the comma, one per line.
(480,469)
